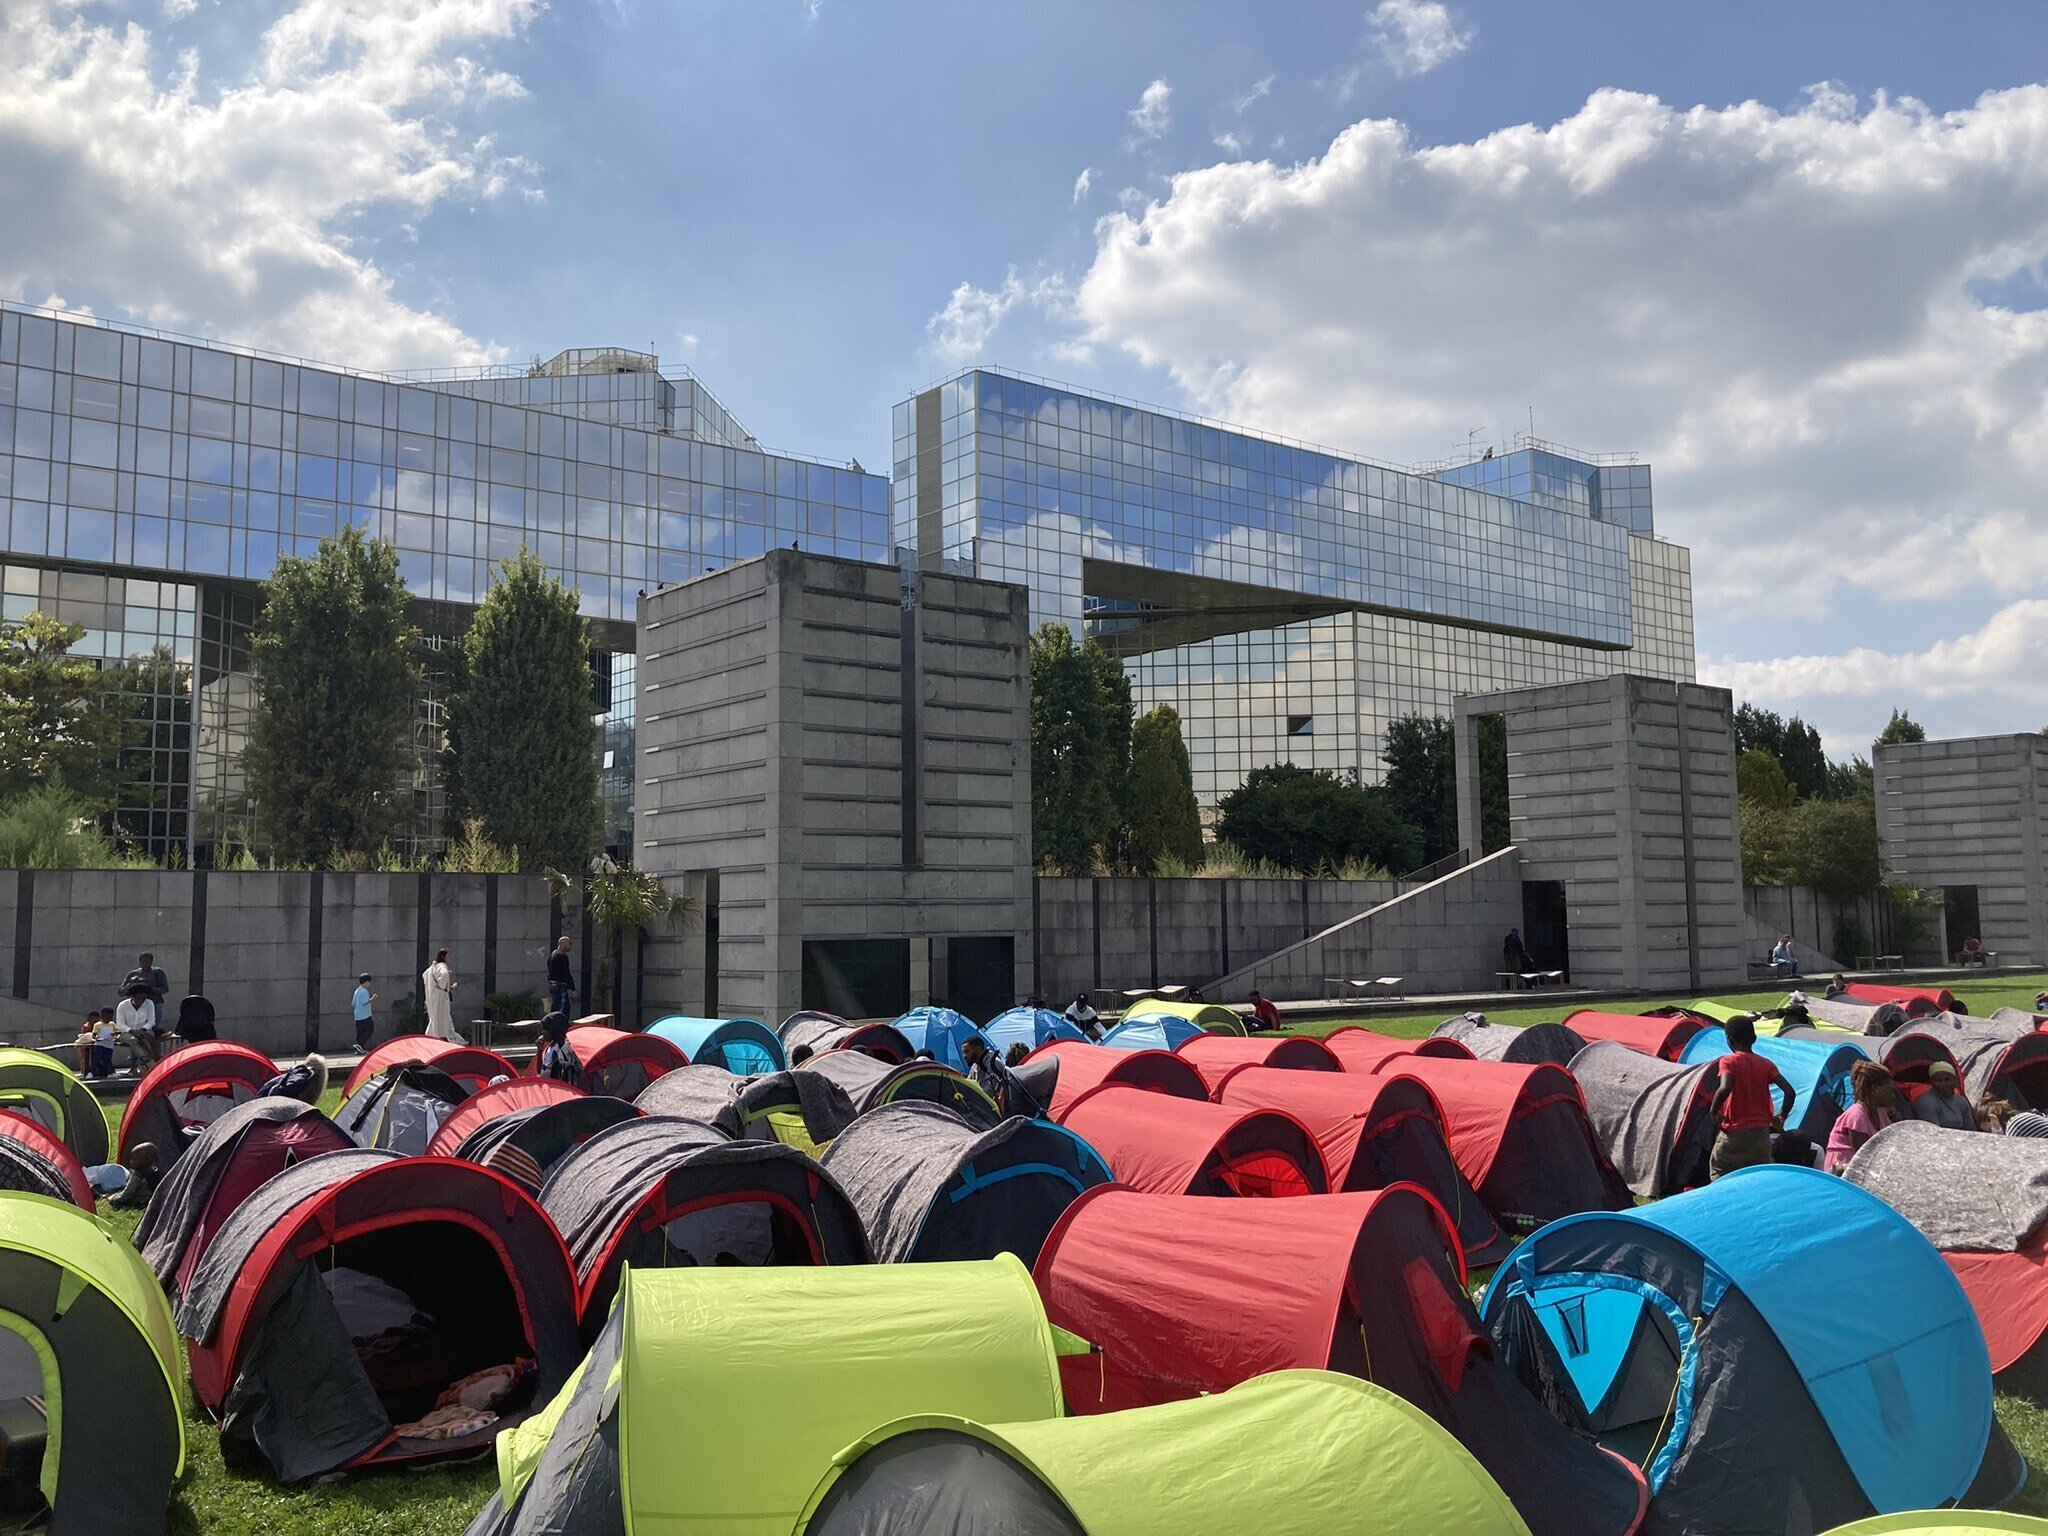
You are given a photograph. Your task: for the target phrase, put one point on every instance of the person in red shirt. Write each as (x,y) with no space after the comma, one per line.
(1263,1012)
(1742,1103)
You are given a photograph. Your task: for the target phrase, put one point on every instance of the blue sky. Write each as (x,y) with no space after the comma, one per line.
(1821,317)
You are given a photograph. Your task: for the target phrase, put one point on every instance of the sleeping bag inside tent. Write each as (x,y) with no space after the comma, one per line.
(1375,1129)
(1217,1056)
(52,1095)
(824,1032)
(1362,1051)
(1367,1284)
(940,1031)
(930,1186)
(400,1109)
(1373,1466)
(798,1109)
(1654,1119)
(1521,1136)
(91,1399)
(1534,1043)
(186,1092)
(660,1192)
(1818,1072)
(347,1298)
(1171,1146)
(526,1144)
(240,1152)
(34,1162)
(617,1062)
(744,1047)
(1061,1072)
(470,1065)
(715,1398)
(1983,1202)
(869,1084)
(1029,1027)
(1704,1338)
(486,1105)
(1661,1035)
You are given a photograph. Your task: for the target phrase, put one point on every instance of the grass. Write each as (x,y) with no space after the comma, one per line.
(213,1499)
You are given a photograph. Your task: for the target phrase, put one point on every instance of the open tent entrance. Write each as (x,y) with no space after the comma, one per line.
(29,1402)
(723,1230)
(1608,1360)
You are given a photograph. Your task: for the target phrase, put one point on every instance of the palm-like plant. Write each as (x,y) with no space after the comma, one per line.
(621,900)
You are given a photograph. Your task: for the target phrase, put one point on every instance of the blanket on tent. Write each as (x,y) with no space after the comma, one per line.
(1964,1190)
(181,1199)
(1978,1046)
(1865,1018)
(1553,1043)
(720,1099)
(617,1168)
(1637,1105)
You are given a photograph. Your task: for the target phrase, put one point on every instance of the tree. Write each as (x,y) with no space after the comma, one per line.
(337,672)
(1902,727)
(1494,830)
(620,901)
(522,741)
(1164,820)
(1795,744)
(1081,716)
(1760,780)
(1421,783)
(1309,820)
(61,718)
(1833,848)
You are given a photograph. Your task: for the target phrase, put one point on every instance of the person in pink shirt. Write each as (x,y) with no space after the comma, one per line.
(1876,1106)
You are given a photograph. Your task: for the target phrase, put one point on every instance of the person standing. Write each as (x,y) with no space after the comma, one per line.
(561,983)
(437,982)
(363,1007)
(1742,1102)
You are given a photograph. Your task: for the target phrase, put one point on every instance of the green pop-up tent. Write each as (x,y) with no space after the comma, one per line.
(1294,1453)
(1946,1522)
(715,1397)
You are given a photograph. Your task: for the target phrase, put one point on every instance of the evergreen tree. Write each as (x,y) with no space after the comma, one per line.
(1901,728)
(1307,821)
(1760,780)
(61,719)
(1080,749)
(1165,821)
(337,673)
(522,740)
(1421,783)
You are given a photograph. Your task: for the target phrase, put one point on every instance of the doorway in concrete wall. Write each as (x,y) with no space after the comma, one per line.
(1544,932)
(979,977)
(1960,916)
(857,978)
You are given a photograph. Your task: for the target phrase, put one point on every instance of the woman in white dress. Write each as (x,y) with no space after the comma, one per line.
(438,984)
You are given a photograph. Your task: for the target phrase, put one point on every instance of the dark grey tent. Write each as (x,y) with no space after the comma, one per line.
(662,1191)
(527,1143)
(1553,1043)
(928,1185)
(2016,1019)
(1995,1062)
(400,1108)
(1868,1018)
(1653,1118)
(824,1032)
(754,1108)
(235,1156)
(869,1084)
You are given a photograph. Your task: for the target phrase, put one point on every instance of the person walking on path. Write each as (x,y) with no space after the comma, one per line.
(1742,1102)
(561,983)
(438,987)
(363,1007)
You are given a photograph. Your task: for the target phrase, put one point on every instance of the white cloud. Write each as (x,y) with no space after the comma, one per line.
(234,206)
(1773,307)
(1415,36)
(1083,182)
(178,10)
(963,329)
(1153,114)
(1229,143)
(1260,89)
(812,8)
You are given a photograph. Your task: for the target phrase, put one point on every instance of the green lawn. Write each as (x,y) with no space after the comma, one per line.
(213,1500)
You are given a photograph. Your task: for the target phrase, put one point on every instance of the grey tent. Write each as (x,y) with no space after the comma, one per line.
(400,1108)
(233,1158)
(2016,1019)
(754,1108)
(869,1084)
(1553,1043)
(1866,1018)
(824,1032)
(1995,1063)
(1653,1118)
(527,1143)
(662,1191)
(1908,1055)
(928,1185)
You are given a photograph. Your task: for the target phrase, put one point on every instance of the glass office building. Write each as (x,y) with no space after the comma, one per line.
(149,483)
(1289,601)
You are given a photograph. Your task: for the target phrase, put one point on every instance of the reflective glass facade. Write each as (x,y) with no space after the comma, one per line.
(126,455)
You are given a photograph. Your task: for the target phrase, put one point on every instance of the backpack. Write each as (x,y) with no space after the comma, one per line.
(559,1062)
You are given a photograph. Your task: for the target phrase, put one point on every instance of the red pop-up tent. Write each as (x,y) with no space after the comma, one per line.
(1915,1000)
(1217,1056)
(1059,1073)
(186,1092)
(1168,1145)
(1184,1296)
(1659,1035)
(470,1065)
(1376,1129)
(43,1164)
(1521,1135)
(499,1099)
(618,1062)
(1362,1051)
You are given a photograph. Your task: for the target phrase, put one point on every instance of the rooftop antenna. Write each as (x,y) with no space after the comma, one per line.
(1468,440)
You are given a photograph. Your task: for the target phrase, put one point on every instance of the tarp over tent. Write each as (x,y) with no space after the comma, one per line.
(1654,1118)
(1983,1201)
(1078,1068)
(659,1192)
(1658,1035)
(1704,1336)
(1818,1072)
(1367,1284)
(1864,1018)
(619,1062)
(799,1109)
(869,1084)
(470,1065)
(930,1186)
(1994,1064)
(1217,1056)
(744,1047)
(52,1095)
(1030,1027)
(488,1104)
(1375,1129)
(285,1302)
(1349,1459)
(526,1144)
(1553,1043)
(940,1031)
(86,1340)
(1213,1017)
(239,1152)
(186,1092)
(1363,1051)
(1172,1146)
(823,1032)
(714,1398)
(401,1108)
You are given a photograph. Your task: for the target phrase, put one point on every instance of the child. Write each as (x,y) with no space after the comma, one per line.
(363,1006)
(557,1056)
(1876,1107)
(103,1040)
(87,1031)
(1742,1103)
(129,1183)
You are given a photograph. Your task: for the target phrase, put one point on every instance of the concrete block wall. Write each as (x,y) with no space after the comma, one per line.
(246,941)
(1443,936)
(1973,811)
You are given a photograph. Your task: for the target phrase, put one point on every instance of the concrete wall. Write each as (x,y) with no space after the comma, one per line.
(785,704)
(277,954)
(1623,789)
(1973,811)
(1441,937)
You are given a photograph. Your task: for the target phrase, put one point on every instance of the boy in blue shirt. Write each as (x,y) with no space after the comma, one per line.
(363,1005)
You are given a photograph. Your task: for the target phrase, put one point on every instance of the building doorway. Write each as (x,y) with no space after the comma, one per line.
(1544,932)
(1960,917)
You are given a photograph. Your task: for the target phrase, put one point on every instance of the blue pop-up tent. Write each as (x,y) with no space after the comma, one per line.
(940,1031)
(1703,1337)
(1817,1070)
(744,1047)
(1152,1032)
(1030,1027)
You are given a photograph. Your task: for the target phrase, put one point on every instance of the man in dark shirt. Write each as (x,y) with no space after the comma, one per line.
(561,984)
(150,975)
